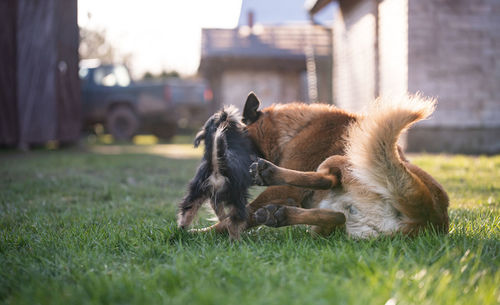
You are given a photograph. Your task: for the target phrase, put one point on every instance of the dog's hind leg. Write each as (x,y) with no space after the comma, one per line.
(324,220)
(219,227)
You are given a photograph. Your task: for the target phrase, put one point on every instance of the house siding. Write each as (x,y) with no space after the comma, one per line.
(354,56)
(270,86)
(393,47)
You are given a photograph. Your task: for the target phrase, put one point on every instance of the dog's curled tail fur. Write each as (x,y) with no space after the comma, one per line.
(372,147)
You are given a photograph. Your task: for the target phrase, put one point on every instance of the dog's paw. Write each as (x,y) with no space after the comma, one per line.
(271,216)
(262,172)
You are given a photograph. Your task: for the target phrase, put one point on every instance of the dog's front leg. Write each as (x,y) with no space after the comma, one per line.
(324,220)
(266,173)
(265,198)
(275,195)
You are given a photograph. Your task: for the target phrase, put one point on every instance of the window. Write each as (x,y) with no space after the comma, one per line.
(110,76)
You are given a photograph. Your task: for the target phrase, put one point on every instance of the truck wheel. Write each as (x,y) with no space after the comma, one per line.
(122,123)
(165,131)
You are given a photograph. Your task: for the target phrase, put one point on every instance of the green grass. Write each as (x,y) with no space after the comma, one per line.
(90,228)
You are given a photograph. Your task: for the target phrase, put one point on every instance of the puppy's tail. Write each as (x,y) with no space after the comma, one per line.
(220,145)
(228,116)
(373,152)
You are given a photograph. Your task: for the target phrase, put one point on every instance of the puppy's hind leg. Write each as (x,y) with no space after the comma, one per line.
(237,218)
(197,194)
(218,208)
(276,195)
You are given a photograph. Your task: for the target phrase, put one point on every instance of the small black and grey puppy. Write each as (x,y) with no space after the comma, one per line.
(223,175)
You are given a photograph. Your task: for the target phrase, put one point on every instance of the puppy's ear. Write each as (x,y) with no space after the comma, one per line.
(251,113)
(199,137)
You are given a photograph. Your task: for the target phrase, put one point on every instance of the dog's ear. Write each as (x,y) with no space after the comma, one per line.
(251,113)
(199,137)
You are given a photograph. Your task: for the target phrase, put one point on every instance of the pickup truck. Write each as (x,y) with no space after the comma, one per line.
(126,108)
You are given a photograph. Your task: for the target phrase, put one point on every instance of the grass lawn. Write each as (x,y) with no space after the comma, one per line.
(92,227)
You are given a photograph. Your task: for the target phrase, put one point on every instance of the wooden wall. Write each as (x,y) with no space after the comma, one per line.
(68,83)
(8,100)
(43,99)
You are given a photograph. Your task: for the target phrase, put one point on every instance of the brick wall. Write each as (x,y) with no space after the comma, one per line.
(448,49)
(454,55)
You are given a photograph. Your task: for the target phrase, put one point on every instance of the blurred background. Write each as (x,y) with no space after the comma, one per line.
(116,70)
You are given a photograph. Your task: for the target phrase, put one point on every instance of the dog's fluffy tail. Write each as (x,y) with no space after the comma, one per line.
(372,146)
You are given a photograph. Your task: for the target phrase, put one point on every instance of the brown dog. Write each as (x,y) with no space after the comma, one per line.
(329,168)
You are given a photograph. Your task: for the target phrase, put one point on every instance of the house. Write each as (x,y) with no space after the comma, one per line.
(39,85)
(280,63)
(442,48)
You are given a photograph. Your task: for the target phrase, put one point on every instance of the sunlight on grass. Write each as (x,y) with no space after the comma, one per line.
(105,139)
(470,181)
(145,140)
(180,147)
(175,151)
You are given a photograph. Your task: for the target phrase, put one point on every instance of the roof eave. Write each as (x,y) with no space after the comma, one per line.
(314,6)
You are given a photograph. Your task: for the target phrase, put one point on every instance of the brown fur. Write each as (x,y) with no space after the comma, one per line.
(308,145)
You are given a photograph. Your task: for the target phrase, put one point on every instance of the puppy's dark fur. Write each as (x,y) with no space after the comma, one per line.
(223,175)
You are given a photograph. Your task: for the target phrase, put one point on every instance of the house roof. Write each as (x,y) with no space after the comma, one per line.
(314,6)
(264,43)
